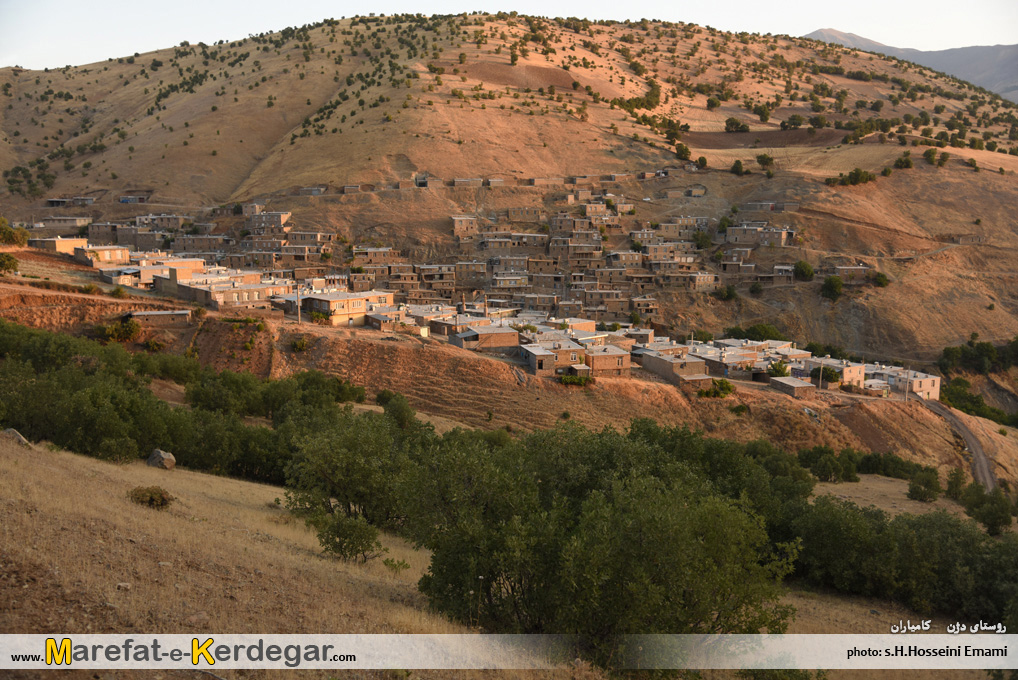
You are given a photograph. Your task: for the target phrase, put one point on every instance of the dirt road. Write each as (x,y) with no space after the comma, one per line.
(982,470)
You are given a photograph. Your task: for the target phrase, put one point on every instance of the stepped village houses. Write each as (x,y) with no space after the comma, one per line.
(543,289)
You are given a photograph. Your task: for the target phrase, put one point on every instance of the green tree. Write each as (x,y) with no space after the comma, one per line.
(8,263)
(10,236)
(765,161)
(803,271)
(713,103)
(828,374)
(924,485)
(702,240)
(756,288)
(737,168)
(995,512)
(702,162)
(778,369)
(692,561)
(881,280)
(793,122)
(735,125)
(727,293)
(832,288)
(827,468)
(955,484)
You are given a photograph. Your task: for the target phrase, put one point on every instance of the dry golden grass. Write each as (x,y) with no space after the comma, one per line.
(887,494)
(77,556)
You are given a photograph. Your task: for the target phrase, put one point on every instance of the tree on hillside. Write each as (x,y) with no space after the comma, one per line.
(737,168)
(793,122)
(924,485)
(832,288)
(735,125)
(713,103)
(765,161)
(8,263)
(955,484)
(10,236)
(995,513)
(803,271)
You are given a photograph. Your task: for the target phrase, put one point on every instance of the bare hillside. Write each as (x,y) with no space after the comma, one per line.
(375,99)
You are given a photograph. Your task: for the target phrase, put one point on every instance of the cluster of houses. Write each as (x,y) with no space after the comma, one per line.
(544,289)
(523,258)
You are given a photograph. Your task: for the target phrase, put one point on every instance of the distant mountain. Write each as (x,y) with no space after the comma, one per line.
(993,67)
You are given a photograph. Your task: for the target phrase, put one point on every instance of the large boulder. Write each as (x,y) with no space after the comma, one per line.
(162,459)
(15,436)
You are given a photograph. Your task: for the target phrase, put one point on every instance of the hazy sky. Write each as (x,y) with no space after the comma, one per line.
(54,33)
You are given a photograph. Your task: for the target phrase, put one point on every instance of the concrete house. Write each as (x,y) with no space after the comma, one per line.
(555,357)
(346,309)
(607,360)
(673,367)
(101,256)
(487,339)
(848,373)
(793,387)
(64,246)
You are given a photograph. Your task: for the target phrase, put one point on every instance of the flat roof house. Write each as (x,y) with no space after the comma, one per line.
(57,244)
(346,309)
(607,360)
(99,256)
(554,357)
(793,387)
(672,368)
(487,338)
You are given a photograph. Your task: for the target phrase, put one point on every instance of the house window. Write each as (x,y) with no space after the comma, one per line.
(572,357)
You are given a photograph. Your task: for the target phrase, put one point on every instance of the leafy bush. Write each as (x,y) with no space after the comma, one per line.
(8,263)
(757,332)
(151,496)
(832,288)
(803,271)
(719,389)
(124,330)
(581,380)
(924,486)
(826,373)
(727,293)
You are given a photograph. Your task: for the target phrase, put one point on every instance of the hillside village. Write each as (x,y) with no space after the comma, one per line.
(565,292)
(340,298)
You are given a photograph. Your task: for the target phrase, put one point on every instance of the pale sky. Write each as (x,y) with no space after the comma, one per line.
(55,33)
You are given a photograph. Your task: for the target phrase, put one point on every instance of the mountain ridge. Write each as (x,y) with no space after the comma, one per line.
(994,67)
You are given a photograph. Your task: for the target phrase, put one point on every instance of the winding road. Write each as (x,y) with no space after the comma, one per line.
(982,470)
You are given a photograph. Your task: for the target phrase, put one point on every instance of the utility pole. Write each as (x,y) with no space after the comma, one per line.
(298,304)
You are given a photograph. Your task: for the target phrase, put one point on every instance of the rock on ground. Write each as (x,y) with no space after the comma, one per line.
(162,459)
